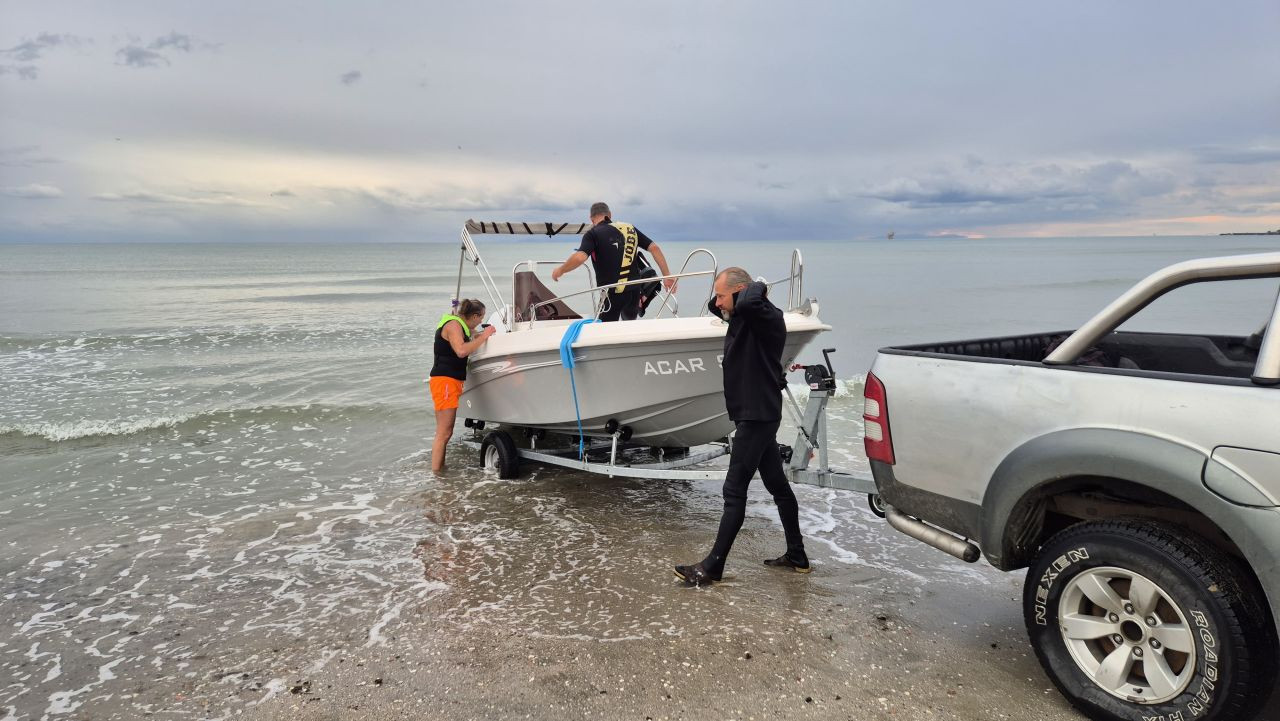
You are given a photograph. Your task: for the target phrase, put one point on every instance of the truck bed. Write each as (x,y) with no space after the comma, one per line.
(1209,355)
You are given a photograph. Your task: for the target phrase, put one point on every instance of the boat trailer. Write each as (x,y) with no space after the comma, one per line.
(806,462)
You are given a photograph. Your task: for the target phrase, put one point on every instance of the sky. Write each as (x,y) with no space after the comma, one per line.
(397,121)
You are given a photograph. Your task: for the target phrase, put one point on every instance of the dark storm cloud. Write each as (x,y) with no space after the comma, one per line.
(153,54)
(26,72)
(175,40)
(1098,185)
(352,77)
(29,50)
(140,57)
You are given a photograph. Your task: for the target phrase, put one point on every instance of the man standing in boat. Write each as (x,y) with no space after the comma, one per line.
(614,250)
(753,383)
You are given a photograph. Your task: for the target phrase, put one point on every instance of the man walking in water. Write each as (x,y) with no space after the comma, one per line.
(614,250)
(753,382)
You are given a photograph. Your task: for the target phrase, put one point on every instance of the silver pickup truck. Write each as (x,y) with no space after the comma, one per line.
(1135,475)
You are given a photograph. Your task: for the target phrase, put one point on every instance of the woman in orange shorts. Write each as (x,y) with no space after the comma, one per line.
(456,338)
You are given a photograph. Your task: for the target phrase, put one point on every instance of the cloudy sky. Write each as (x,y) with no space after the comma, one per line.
(240,120)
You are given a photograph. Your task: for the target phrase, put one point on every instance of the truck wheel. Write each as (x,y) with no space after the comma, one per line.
(1135,620)
(498,454)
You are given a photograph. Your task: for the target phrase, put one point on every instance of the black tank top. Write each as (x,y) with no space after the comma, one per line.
(447,362)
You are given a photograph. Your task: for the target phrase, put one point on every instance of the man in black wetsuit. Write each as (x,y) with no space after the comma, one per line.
(753,382)
(614,252)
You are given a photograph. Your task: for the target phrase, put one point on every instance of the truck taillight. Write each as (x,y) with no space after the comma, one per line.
(875,421)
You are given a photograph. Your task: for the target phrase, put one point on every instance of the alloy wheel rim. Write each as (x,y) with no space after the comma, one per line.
(1127,635)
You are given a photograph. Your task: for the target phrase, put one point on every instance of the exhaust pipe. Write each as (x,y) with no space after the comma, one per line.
(936,537)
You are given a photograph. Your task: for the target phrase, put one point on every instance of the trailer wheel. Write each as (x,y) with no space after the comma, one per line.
(1134,620)
(876,504)
(498,454)
(670,452)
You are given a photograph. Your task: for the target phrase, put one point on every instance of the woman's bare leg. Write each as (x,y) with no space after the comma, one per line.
(444,431)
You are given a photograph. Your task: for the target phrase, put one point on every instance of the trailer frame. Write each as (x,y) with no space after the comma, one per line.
(614,456)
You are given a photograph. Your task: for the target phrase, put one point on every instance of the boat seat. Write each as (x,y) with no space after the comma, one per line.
(530,291)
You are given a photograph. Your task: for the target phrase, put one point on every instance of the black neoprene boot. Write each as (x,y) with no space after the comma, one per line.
(697,575)
(787,560)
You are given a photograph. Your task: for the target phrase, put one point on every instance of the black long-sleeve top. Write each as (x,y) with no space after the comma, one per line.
(753,345)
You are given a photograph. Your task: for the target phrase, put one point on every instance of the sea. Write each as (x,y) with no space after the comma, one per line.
(214,458)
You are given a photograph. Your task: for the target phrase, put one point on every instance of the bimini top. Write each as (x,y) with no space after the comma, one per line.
(477,227)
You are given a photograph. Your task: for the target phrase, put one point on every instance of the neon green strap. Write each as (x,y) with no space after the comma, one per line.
(448,317)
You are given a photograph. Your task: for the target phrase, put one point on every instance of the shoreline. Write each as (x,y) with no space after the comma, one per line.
(851,642)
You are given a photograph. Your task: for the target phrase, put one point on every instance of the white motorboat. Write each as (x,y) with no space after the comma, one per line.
(655,381)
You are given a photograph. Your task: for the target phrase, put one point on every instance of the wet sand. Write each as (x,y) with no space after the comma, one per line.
(561,604)
(546,597)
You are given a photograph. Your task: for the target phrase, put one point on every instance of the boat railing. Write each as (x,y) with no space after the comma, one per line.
(794,281)
(620,284)
(668,299)
(532,265)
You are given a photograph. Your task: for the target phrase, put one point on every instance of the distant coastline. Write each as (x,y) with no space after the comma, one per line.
(1260,232)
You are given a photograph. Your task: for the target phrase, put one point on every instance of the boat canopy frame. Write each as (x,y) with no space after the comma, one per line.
(469,252)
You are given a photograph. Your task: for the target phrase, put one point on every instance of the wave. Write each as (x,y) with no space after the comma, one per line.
(410,280)
(73,430)
(336,297)
(1090,283)
(61,431)
(192,337)
(16,343)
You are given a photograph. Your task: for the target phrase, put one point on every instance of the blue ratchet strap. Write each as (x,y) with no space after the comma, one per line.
(566,360)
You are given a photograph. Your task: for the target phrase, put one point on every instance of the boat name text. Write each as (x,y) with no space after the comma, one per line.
(667,367)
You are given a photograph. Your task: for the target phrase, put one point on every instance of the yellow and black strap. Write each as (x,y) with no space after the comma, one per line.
(630,246)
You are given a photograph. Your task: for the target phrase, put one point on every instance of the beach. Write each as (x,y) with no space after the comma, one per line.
(217,500)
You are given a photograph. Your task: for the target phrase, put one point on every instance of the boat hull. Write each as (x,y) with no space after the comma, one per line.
(662,378)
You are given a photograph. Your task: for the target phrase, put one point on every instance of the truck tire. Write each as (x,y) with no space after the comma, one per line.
(1134,620)
(498,454)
